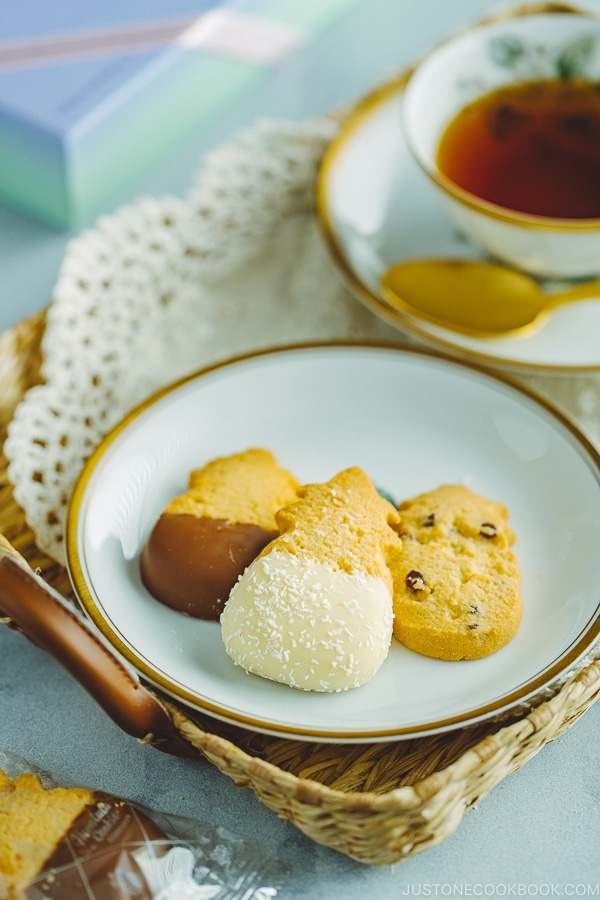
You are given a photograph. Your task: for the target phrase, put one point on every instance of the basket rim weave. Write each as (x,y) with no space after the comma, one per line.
(372,824)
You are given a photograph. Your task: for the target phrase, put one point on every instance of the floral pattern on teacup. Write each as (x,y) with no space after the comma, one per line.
(574,60)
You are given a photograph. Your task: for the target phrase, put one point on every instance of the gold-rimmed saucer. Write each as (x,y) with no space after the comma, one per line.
(375,207)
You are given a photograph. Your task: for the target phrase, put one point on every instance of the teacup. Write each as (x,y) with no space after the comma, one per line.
(540,48)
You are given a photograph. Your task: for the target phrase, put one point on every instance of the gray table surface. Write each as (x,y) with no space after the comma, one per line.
(538,833)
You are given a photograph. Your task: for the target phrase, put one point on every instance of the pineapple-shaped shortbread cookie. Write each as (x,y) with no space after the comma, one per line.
(314,610)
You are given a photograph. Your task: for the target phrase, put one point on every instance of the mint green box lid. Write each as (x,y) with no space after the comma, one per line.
(92,97)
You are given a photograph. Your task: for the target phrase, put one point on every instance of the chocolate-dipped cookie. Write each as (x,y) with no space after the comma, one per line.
(206,537)
(66,842)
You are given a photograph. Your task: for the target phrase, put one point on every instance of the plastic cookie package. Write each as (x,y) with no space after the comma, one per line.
(71,843)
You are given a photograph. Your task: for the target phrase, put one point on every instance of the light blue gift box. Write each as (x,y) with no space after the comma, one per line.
(91,95)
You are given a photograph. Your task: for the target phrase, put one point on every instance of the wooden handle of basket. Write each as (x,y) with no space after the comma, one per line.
(52,624)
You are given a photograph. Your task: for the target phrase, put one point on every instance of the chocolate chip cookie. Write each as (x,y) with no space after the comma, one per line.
(457,583)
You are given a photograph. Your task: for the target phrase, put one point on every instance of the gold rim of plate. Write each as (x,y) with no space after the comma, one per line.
(375,803)
(500,708)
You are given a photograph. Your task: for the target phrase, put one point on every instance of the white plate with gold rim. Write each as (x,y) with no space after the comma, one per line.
(411,419)
(376,207)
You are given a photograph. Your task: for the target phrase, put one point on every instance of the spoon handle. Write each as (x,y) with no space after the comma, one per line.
(584,290)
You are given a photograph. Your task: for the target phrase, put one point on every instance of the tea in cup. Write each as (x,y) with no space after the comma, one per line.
(505,120)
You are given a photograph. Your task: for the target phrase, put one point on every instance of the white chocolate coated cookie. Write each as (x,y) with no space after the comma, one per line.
(296,621)
(314,610)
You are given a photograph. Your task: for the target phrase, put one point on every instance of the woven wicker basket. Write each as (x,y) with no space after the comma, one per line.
(377,803)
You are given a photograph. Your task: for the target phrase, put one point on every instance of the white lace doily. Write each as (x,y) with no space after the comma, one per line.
(166,286)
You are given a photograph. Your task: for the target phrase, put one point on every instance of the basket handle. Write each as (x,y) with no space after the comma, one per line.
(58,628)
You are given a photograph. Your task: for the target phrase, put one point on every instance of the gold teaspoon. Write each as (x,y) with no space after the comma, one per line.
(475,297)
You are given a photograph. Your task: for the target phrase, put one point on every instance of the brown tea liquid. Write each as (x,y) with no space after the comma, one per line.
(532,147)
